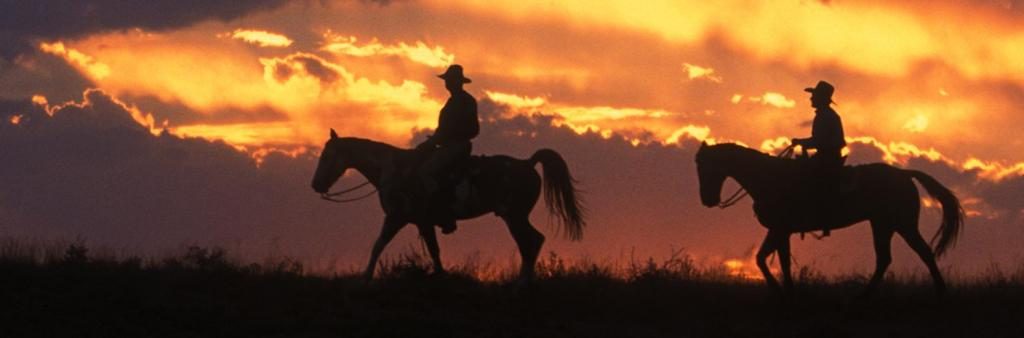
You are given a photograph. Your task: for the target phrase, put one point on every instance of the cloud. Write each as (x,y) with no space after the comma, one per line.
(775,100)
(95,69)
(607,66)
(418,52)
(259,37)
(27,21)
(311,92)
(916,124)
(91,170)
(698,72)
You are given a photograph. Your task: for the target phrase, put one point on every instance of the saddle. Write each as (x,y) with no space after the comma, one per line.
(849,178)
(811,208)
(458,184)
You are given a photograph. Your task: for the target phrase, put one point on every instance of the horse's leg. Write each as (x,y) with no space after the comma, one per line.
(769,245)
(881,232)
(429,236)
(784,262)
(912,236)
(387,233)
(529,241)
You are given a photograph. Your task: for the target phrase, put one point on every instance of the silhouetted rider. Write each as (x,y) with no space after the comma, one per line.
(827,137)
(456,126)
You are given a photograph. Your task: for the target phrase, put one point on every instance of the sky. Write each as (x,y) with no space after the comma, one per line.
(150,126)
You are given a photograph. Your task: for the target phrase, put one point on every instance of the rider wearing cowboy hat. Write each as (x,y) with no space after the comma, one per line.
(827,137)
(456,126)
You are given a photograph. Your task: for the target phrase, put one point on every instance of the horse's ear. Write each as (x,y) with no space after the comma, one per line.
(703,144)
(334,134)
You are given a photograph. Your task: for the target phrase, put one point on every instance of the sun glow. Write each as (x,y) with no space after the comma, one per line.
(739,268)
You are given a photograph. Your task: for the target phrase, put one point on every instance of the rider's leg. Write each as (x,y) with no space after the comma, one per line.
(829,185)
(438,191)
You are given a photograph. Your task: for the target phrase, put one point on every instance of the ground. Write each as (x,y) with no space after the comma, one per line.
(203,294)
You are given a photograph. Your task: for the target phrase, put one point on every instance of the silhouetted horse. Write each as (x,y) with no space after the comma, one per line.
(883,194)
(506,186)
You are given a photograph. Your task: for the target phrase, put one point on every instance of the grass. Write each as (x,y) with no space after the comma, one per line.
(65,290)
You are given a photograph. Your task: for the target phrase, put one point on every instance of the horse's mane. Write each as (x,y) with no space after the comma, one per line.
(732,152)
(365,144)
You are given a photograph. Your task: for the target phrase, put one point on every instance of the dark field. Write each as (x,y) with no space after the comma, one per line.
(201,293)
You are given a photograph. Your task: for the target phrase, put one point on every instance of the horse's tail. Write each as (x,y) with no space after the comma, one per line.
(560,194)
(952,212)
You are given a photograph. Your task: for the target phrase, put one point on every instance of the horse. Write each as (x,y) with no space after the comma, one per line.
(884,195)
(505,186)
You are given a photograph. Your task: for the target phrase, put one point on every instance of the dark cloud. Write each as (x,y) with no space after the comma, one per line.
(22,22)
(91,171)
(302,63)
(40,73)
(315,66)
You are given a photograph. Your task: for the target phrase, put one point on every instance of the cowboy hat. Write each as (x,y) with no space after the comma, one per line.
(454,72)
(822,89)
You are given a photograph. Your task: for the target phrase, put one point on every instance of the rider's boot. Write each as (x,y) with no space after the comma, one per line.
(446,211)
(827,215)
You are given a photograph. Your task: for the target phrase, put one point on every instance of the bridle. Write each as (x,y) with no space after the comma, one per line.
(329,196)
(741,192)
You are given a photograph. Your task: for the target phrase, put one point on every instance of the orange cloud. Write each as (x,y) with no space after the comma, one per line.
(866,37)
(900,152)
(260,38)
(699,133)
(698,72)
(516,101)
(314,93)
(635,124)
(775,100)
(251,135)
(917,124)
(344,83)
(87,63)
(994,170)
(418,52)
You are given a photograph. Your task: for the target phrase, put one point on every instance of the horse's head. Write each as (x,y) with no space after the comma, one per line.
(711,175)
(331,166)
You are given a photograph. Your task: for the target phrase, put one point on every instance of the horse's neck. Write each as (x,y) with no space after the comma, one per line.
(370,161)
(376,160)
(760,178)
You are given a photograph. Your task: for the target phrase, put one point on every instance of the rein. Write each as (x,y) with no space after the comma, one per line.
(329,196)
(741,192)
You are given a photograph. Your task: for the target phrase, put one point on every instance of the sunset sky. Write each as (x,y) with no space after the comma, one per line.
(155,125)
